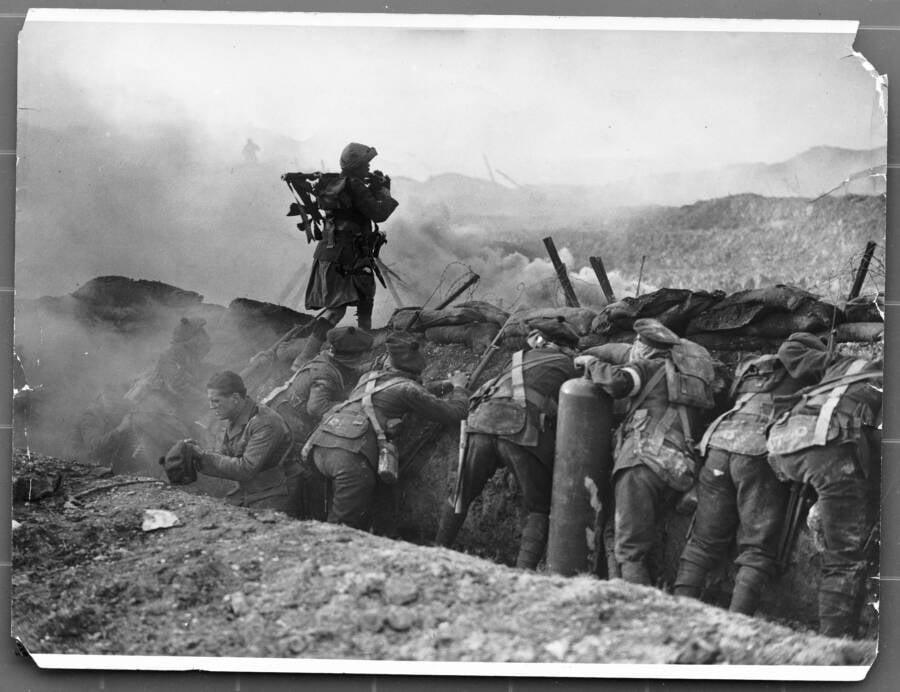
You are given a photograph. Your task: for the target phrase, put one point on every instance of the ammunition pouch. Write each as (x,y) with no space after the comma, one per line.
(498,417)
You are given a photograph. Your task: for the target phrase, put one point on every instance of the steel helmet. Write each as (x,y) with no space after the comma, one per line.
(356,154)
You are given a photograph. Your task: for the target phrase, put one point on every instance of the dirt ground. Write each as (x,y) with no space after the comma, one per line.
(228,582)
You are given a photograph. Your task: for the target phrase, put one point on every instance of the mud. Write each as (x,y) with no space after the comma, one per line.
(229,582)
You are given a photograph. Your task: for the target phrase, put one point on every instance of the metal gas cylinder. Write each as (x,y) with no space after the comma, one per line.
(581,478)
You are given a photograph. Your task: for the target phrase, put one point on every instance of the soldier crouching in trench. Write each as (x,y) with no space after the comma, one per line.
(512,423)
(831,440)
(653,458)
(347,444)
(311,391)
(254,448)
(343,271)
(738,494)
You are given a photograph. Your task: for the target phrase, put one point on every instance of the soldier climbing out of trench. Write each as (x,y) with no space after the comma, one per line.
(738,493)
(344,270)
(254,448)
(830,438)
(352,445)
(166,402)
(311,391)
(512,423)
(668,383)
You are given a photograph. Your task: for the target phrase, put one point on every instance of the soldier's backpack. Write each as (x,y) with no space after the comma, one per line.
(331,191)
(690,375)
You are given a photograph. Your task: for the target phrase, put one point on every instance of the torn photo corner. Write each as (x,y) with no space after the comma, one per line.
(724,177)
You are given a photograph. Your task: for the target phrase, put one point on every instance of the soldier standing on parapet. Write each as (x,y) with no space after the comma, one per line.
(667,381)
(831,439)
(311,391)
(348,445)
(512,423)
(738,493)
(254,448)
(343,271)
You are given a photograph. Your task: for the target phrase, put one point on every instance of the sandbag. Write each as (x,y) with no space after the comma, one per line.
(477,336)
(868,308)
(674,307)
(490,313)
(781,325)
(859,331)
(734,341)
(446,317)
(744,307)
(580,319)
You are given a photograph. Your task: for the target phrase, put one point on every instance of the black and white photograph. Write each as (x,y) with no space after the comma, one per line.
(448,345)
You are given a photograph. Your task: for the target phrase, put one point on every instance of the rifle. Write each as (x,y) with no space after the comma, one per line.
(266,356)
(489,352)
(799,501)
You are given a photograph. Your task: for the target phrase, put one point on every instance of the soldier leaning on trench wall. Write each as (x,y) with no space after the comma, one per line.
(653,457)
(738,494)
(345,447)
(512,424)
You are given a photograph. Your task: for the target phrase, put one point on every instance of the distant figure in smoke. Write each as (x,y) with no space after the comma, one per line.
(343,271)
(167,400)
(250,150)
(103,432)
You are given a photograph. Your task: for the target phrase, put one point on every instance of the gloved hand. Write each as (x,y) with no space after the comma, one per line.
(459,379)
(180,463)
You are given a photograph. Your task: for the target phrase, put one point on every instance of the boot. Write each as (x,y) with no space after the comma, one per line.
(636,573)
(748,587)
(838,614)
(448,526)
(690,580)
(534,540)
(313,343)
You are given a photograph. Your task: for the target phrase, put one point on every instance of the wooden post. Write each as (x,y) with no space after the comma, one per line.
(597,265)
(640,276)
(862,270)
(561,274)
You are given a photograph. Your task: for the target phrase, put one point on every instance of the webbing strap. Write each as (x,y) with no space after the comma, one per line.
(369,408)
(738,404)
(820,435)
(518,378)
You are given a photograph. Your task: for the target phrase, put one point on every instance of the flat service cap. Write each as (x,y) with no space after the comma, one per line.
(349,340)
(405,351)
(655,333)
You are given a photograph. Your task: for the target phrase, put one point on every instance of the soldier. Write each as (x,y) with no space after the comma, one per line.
(343,271)
(512,423)
(167,401)
(653,458)
(345,445)
(738,493)
(830,439)
(254,448)
(313,389)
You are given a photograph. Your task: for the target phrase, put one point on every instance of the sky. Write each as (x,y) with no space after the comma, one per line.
(131,127)
(542,106)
